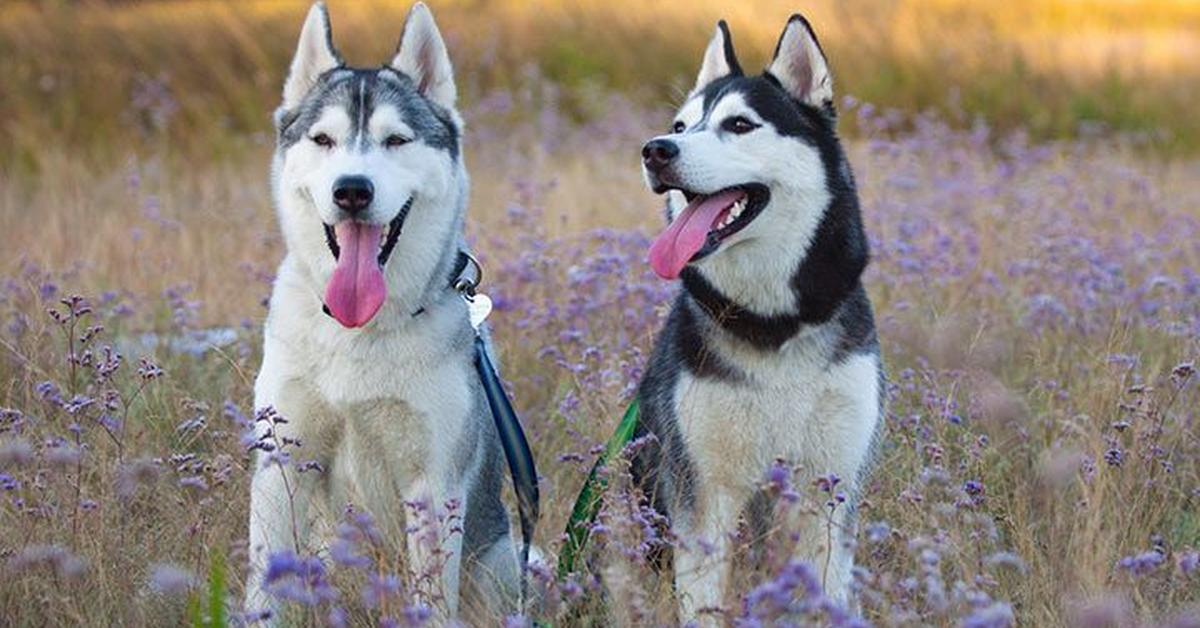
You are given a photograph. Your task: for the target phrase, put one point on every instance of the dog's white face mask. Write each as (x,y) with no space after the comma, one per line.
(368,163)
(742,165)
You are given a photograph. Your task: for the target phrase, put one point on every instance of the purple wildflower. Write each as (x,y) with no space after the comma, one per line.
(995,615)
(1142,564)
(171,579)
(1188,562)
(303,580)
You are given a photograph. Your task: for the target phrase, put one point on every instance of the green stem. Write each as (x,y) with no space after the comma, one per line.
(587,505)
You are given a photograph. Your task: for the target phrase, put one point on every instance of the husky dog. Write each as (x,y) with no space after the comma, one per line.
(368,350)
(770,349)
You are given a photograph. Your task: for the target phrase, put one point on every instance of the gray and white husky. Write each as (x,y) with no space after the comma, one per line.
(770,349)
(368,350)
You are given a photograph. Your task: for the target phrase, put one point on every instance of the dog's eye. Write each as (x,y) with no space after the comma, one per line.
(678,127)
(322,140)
(738,125)
(393,140)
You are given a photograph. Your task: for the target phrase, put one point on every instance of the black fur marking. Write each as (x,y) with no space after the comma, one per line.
(331,241)
(700,358)
(763,332)
(766,96)
(759,514)
(393,235)
(662,468)
(735,68)
(839,253)
(284,119)
(716,90)
(857,322)
(328,24)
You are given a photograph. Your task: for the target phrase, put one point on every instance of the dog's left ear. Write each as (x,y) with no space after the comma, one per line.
(800,67)
(719,58)
(422,57)
(315,55)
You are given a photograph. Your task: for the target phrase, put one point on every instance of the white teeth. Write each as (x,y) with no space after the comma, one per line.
(733,214)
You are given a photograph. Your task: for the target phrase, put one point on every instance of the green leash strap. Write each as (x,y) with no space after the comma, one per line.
(587,505)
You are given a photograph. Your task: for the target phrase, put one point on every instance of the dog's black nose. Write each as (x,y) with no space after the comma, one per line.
(657,154)
(353,193)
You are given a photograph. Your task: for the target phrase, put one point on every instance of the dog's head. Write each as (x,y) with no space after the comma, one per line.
(746,160)
(367,165)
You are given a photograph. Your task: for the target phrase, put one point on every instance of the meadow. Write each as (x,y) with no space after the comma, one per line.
(1029,181)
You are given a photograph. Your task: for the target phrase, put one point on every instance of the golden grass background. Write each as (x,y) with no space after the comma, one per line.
(72,135)
(1046,65)
(91,183)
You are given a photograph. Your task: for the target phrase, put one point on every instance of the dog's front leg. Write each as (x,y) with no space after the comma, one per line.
(702,565)
(279,521)
(825,541)
(434,542)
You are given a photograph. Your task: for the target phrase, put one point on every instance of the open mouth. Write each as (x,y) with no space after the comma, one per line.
(706,222)
(357,290)
(387,241)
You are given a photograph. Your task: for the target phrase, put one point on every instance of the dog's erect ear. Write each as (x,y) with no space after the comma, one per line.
(315,56)
(422,57)
(800,66)
(719,59)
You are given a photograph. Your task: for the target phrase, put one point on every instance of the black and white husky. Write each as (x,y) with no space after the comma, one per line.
(368,348)
(770,349)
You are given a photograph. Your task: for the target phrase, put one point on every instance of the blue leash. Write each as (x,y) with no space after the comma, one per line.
(516,451)
(512,436)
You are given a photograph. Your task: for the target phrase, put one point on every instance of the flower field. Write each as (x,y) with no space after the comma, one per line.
(1038,301)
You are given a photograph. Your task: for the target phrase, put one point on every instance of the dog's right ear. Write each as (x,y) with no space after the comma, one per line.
(800,66)
(719,59)
(315,55)
(423,58)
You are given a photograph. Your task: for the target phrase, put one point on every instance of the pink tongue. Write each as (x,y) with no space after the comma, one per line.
(674,248)
(356,289)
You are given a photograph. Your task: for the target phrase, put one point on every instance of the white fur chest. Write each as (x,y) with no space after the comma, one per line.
(794,405)
(382,388)
(352,366)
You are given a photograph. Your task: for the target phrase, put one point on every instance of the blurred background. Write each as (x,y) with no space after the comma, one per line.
(201,75)
(146,88)
(1029,177)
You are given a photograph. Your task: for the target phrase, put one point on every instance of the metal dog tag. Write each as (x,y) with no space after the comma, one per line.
(478,308)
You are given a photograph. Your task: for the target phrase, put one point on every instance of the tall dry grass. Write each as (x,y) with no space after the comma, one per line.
(1033,303)
(1037,301)
(94,77)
